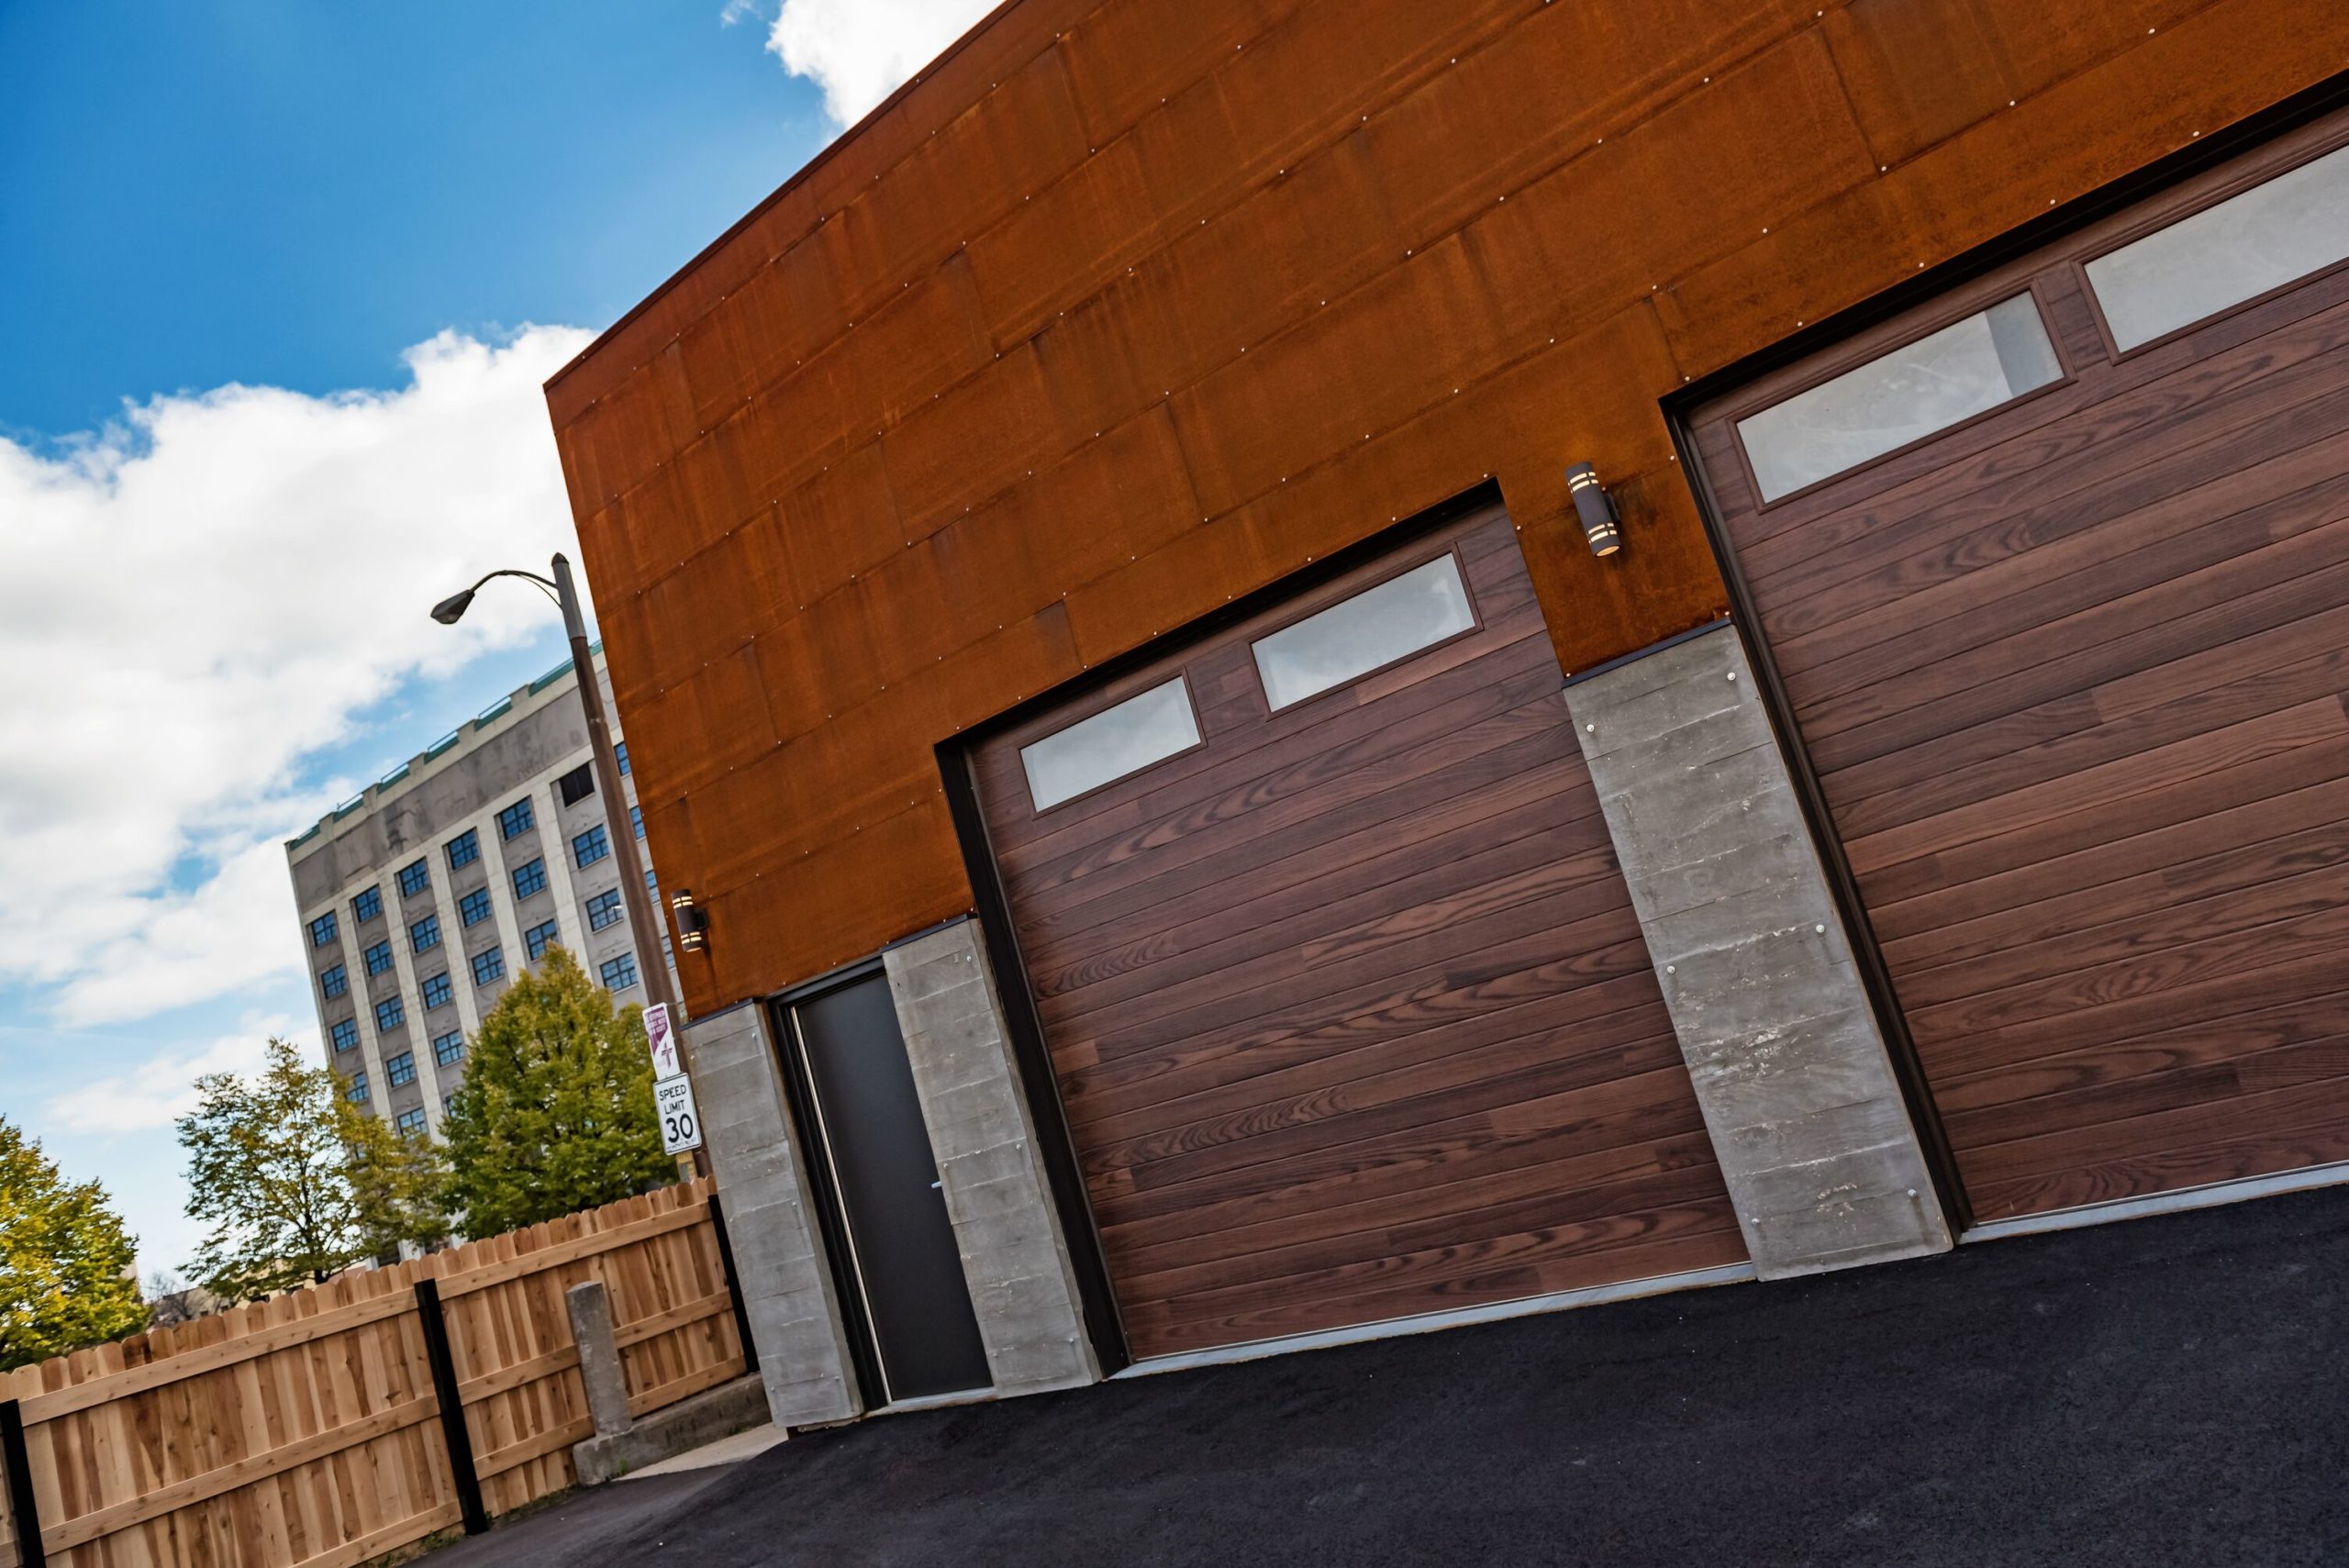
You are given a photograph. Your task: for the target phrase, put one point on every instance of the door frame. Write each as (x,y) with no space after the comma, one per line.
(1910,295)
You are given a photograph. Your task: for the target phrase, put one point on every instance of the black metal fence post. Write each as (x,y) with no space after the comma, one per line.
(733,1285)
(24,1509)
(452,1409)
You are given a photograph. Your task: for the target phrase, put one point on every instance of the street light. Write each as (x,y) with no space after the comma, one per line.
(643,917)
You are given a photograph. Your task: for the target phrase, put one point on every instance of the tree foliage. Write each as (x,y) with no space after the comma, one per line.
(65,1274)
(555,1114)
(297,1183)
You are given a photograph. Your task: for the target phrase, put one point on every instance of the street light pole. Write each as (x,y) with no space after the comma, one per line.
(643,916)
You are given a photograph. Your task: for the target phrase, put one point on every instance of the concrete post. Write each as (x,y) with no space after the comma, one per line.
(779,1261)
(599,1358)
(1015,1255)
(1788,1062)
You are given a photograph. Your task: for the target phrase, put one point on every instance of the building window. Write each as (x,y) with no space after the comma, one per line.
(488,966)
(620,972)
(356,1092)
(400,1069)
(1110,745)
(620,754)
(449,1048)
(604,909)
(515,819)
(473,907)
(411,1122)
(438,992)
(464,849)
(1967,368)
(2246,246)
(530,878)
(379,958)
(425,935)
(1376,627)
(367,906)
(448,1106)
(414,879)
(650,885)
(390,1014)
(334,982)
(539,938)
(577,784)
(636,819)
(591,846)
(322,930)
(346,1034)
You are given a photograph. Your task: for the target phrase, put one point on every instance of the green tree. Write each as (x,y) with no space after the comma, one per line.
(299,1184)
(65,1275)
(555,1114)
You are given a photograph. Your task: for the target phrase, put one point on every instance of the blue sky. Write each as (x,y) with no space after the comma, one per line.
(279,282)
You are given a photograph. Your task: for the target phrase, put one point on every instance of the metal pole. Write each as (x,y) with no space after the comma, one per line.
(462,1469)
(24,1509)
(645,921)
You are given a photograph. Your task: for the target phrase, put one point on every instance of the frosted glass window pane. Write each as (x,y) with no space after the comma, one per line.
(1112,743)
(1374,628)
(1963,370)
(2294,224)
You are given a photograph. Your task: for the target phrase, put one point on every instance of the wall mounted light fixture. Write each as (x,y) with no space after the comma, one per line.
(1602,524)
(693,921)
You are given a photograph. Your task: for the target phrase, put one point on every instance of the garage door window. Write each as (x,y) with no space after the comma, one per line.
(1115,742)
(2248,245)
(1965,369)
(1376,627)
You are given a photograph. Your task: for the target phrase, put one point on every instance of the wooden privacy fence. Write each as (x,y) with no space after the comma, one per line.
(308,1430)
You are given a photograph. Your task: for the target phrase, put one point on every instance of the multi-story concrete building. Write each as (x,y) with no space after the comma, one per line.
(423,895)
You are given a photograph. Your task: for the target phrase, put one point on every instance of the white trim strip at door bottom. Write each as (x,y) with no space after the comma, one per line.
(1428,1323)
(2210,1196)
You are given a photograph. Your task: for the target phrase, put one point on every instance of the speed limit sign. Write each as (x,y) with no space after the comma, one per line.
(672,1102)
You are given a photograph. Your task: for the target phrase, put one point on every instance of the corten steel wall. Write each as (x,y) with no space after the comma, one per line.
(1129,308)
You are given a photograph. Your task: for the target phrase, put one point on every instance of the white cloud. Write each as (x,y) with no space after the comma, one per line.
(860,51)
(161,1090)
(195,600)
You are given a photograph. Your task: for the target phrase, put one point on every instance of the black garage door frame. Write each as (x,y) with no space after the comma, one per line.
(2197,158)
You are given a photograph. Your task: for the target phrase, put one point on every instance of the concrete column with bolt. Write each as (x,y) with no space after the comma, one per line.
(1789,1065)
(600,1368)
(1015,1255)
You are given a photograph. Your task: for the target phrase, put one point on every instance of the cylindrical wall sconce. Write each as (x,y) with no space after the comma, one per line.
(692,921)
(1602,524)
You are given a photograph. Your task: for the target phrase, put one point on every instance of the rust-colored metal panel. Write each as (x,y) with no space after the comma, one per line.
(1128,307)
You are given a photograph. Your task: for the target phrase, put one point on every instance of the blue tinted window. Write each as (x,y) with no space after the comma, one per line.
(620,753)
(620,972)
(411,1122)
(379,958)
(322,930)
(346,1034)
(488,966)
(530,878)
(449,1048)
(464,849)
(390,1014)
(515,819)
(473,907)
(414,879)
(334,982)
(367,906)
(539,938)
(356,1092)
(591,846)
(603,910)
(636,819)
(438,992)
(425,935)
(400,1069)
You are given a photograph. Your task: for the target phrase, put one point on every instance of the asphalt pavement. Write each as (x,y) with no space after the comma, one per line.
(2170,1390)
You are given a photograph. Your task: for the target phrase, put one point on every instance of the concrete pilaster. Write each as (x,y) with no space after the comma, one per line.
(1788,1062)
(1015,1255)
(601,1372)
(778,1249)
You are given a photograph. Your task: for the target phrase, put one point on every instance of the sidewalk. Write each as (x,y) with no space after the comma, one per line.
(2167,1391)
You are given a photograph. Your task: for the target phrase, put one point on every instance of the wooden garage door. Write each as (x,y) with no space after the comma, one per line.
(1351,1015)
(2072,671)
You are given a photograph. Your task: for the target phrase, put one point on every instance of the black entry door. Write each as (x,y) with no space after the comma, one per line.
(907,1273)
